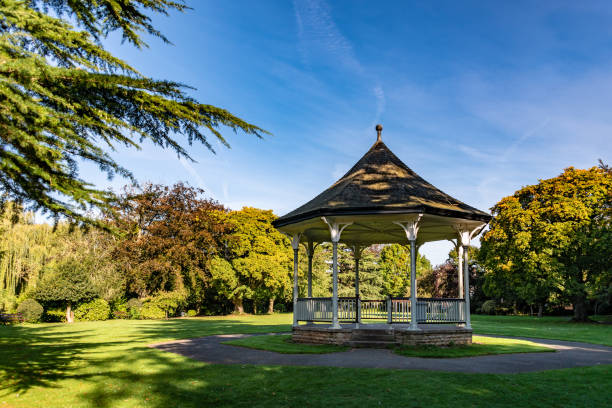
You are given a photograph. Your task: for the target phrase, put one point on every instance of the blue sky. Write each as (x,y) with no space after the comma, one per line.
(479,98)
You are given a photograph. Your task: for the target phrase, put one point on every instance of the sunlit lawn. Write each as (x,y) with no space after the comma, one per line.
(481,346)
(108,364)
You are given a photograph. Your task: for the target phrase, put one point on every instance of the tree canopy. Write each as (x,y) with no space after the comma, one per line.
(65,101)
(553,240)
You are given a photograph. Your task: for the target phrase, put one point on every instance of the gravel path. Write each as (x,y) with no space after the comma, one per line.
(569,354)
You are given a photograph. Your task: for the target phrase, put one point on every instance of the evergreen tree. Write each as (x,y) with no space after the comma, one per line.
(65,100)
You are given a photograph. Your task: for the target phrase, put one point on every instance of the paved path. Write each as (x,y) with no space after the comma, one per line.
(569,354)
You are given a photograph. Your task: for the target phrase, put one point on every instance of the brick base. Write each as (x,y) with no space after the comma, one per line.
(439,336)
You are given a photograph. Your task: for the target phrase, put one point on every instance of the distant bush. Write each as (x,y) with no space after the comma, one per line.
(134,306)
(120,314)
(192,313)
(119,310)
(168,302)
(151,311)
(489,307)
(97,309)
(31,310)
(54,316)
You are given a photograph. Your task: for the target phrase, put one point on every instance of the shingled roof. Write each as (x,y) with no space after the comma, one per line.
(380,183)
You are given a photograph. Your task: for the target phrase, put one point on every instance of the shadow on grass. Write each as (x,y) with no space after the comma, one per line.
(109,365)
(43,355)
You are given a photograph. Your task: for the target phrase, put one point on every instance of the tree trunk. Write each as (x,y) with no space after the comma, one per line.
(580,310)
(238,308)
(540,310)
(271,306)
(254,307)
(69,314)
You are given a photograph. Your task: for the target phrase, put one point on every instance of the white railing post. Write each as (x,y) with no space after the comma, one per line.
(389,310)
(295,244)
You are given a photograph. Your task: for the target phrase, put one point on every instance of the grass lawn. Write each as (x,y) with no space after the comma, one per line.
(108,364)
(545,328)
(480,346)
(283,344)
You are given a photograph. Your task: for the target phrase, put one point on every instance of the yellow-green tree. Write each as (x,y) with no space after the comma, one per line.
(553,238)
(258,262)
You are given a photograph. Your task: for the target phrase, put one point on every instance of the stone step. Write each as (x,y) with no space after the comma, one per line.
(370,344)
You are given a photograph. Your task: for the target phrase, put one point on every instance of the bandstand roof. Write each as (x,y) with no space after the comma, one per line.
(378,190)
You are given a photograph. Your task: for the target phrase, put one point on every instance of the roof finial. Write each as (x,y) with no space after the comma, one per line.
(379,131)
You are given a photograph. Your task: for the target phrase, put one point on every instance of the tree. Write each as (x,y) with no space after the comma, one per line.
(394,267)
(67,284)
(260,256)
(553,238)
(370,280)
(65,100)
(168,236)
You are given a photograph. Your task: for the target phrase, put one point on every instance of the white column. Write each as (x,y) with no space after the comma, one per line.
(357,255)
(295,244)
(460,267)
(335,230)
(411,228)
(465,234)
(466,286)
(310,253)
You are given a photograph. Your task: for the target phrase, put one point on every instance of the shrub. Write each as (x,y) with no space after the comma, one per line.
(151,311)
(97,309)
(169,302)
(31,310)
(134,307)
(192,313)
(54,316)
(120,314)
(489,307)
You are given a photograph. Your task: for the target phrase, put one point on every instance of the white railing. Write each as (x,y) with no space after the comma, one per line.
(441,311)
(373,309)
(320,309)
(393,310)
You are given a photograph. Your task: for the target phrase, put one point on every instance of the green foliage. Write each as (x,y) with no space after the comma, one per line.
(168,302)
(258,262)
(489,307)
(97,309)
(192,313)
(134,307)
(394,266)
(65,100)
(31,310)
(552,242)
(54,316)
(151,311)
(67,283)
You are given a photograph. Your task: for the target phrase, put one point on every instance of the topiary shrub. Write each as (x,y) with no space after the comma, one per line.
(489,307)
(169,302)
(134,306)
(31,310)
(151,311)
(192,313)
(97,309)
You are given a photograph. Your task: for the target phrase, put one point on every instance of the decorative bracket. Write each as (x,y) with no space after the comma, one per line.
(465,235)
(357,250)
(411,228)
(310,247)
(295,240)
(335,228)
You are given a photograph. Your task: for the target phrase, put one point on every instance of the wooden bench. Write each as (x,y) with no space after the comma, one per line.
(7,318)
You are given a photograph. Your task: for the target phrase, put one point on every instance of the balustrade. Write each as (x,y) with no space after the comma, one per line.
(394,310)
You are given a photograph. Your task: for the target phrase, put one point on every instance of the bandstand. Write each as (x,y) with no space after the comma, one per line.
(380,200)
